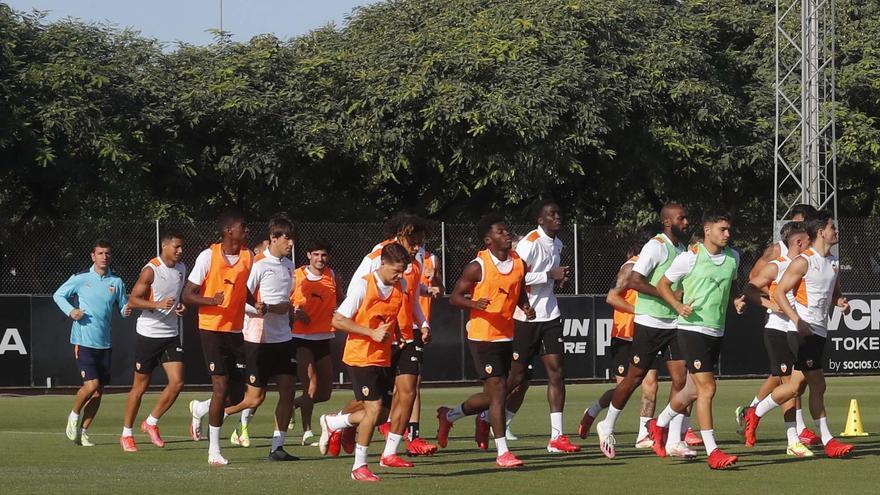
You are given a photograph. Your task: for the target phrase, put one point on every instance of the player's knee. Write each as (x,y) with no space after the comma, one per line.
(321,395)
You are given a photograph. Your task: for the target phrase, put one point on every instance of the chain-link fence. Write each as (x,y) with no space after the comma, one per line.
(37,261)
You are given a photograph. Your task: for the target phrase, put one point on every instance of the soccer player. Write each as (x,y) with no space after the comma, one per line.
(268,344)
(218,286)
(369,316)
(495,281)
(623,301)
(314,300)
(157,294)
(706,275)
(98,291)
(804,294)
(655,323)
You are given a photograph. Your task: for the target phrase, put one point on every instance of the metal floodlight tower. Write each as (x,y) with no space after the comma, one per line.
(805,152)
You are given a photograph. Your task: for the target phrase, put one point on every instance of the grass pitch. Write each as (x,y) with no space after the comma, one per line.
(36,457)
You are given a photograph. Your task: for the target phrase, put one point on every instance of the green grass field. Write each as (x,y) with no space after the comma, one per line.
(36,457)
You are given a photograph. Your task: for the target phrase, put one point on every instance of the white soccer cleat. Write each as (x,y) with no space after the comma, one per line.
(509,435)
(645,443)
(606,440)
(84,441)
(680,449)
(308,436)
(72,427)
(195,426)
(324,440)
(217,460)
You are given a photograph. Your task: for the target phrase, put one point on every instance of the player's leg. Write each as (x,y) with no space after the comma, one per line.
(369,418)
(306,372)
(174,370)
(647,408)
(283,411)
(405,387)
(132,404)
(815,379)
(553,364)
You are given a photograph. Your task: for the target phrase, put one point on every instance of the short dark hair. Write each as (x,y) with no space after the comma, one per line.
(101,243)
(280,225)
(169,234)
(791,229)
(395,253)
(715,216)
(642,235)
(697,236)
(319,244)
(538,207)
(409,225)
(804,210)
(818,222)
(229,218)
(484,225)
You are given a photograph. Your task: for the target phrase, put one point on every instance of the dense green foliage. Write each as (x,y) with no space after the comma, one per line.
(446,107)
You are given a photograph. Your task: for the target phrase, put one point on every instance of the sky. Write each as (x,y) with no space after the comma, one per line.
(189,20)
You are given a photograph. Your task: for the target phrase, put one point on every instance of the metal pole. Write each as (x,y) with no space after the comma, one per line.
(221,16)
(577,277)
(443,252)
(158,241)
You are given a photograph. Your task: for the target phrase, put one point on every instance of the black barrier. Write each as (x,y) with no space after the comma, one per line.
(34,344)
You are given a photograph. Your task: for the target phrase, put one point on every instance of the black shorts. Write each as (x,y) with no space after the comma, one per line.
(319,348)
(265,360)
(779,352)
(533,338)
(491,359)
(150,352)
(407,360)
(94,364)
(809,351)
(224,353)
(701,351)
(370,383)
(650,343)
(621,352)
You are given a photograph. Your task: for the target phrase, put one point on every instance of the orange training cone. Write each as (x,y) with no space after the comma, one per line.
(853,421)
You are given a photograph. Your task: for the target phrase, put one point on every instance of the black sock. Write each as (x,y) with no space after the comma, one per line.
(413,430)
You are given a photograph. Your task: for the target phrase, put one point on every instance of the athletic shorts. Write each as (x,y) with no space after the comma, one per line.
(94,364)
(370,383)
(150,352)
(224,353)
(778,350)
(407,360)
(491,359)
(621,352)
(533,338)
(809,351)
(650,343)
(701,351)
(265,360)
(319,348)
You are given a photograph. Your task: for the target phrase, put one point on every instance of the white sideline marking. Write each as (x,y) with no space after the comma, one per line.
(17,432)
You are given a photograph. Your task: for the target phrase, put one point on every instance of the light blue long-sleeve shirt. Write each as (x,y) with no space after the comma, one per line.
(97,294)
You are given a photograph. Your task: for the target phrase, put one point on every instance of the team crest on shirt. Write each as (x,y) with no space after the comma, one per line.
(137,366)
(253,378)
(620,369)
(515,356)
(697,364)
(112,289)
(636,359)
(810,363)
(488,369)
(365,391)
(211,366)
(82,374)
(783,367)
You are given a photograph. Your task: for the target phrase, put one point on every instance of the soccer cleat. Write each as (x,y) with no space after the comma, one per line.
(242,439)
(585,424)
(307,437)
(481,432)
(508,434)
(680,449)
(658,435)
(837,449)
(195,426)
(751,420)
(347,439)
(719,460)
(645,442)
(807,437)
(419,446)
(740,415)
(217,460)
(384,429)
(153,432)
(280,454)
(335,443)
(692,439)
(561,444)
(799,450)
(508,460)
(443,426)
(363,473)
(326,432)
(128,444)
(292,421)
(606,440)
(394,461)
(72,427)
(84,441)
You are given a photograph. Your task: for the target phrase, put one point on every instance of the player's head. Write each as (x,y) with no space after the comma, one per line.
(261,246)
(318,252)
(635,242)
(233,227)
(172,245)
(394,260)
(410,233)
(801,212)
(101,255)
(674,217)
(547,214)
(696,238)
(795,237)
(822,227)
(493,232)
(716,227)
(280,235)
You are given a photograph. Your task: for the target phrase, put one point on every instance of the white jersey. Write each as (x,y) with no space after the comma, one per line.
(167,282)
(812,297)
(777,319)
(652,255)
(271,281)
(783,249)
(541,253)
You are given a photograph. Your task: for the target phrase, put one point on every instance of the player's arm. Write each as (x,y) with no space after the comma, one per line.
(650,257)
(840,301)
(122,299)
(681,266)
(62,298)
(191,296)
(770,253)
(339,295)
(464,287)
(437,278)
(523,302)
(790,279)
(140,293)
(615,295)
(525,251)
(342,317)
(758,286)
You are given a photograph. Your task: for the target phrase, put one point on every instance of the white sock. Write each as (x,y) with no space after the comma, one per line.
(593,410)
(213,440)
(755,402)
(822,424)
(765,406)
(360,456)
(152,421)
(278,440)
(73,416)
(555,425)
(611,417)
(246,416)
(791,433)
(709,440)
(675,428)
(666,416)
(339,421)
(799,420)
(391,444)
(201,407)
(643,427)
(126,432)
(501,445)
(455,414)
